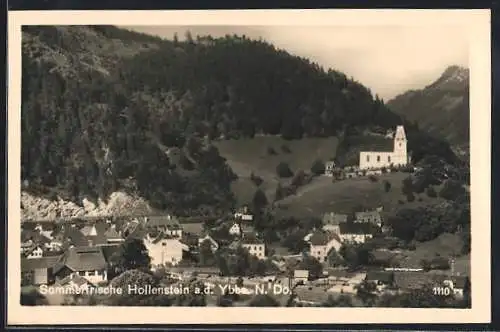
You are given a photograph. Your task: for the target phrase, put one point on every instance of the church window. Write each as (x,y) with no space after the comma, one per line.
(399,144)
(389,158)
(368,158)
(378,158)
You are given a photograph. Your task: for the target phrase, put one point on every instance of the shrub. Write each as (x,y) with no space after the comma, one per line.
(318,167)
(283,170)
(451,190)
(299,179)
(373,178)
(384,170)
(257,180)
(285,149)
(407,186)
(271,151)
(431,192)
(387,186)
(410,197)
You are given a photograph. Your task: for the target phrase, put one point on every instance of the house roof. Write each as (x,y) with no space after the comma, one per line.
(301,273)
(321,238)
(72,235)
(371,215)
(385,276)
(38,263)
(82,259)
(109,250)
(250,238)
(35,236)
(112,234)
(355,228)
(375,144)
(193,228)
(159,221)
(333,218)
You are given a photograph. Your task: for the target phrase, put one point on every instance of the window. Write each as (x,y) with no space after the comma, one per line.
(325,258)
(163,243)
(81,273)
(368,158)
(399,144)
(319,253)
(378,158)
(389,159)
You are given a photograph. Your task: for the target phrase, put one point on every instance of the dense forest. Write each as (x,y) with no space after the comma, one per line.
(105,109)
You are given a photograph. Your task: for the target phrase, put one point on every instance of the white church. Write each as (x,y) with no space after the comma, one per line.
(379,159)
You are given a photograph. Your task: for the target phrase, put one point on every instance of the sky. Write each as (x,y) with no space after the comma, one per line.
(387,59)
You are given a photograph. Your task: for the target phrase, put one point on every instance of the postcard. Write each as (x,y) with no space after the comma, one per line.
(249,166)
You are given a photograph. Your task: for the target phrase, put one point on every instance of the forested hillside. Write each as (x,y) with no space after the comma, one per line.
(106,109)
(442,108)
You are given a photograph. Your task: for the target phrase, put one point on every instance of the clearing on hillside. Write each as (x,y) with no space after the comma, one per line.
(322,195)
(249,155)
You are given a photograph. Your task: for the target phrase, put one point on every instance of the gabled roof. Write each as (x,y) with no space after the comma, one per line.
(38,263)
(32,249)
(367,215)
(159,221)
(376,144)
(355,228)
(82,259)
(333,218)
(112,234)
(72,235)
(301,274)
(385,276)
(321,238)
(109,250)
(250,238)
(35,236)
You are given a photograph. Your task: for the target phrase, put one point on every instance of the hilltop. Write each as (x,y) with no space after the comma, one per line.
(180,124)
(442,108)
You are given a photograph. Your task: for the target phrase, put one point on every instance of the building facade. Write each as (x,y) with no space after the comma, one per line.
(379,159)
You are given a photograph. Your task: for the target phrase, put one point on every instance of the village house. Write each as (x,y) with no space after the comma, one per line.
(255,246)
(330,168)
(38,271)
(243,214)
(235,229)
(112,235)
(370,217)
(381,279)
(332,220)
(321,243)
(355,232)
(206,237)
(300,276)
(168,224)
(165,250)
(34,252)
(387,155)
(87,262)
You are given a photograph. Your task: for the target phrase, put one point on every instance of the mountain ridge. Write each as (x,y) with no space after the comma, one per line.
(441,107)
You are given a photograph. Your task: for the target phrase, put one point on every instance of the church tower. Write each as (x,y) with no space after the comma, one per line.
(400,154)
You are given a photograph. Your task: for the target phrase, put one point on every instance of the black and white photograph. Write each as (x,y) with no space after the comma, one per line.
(318,165)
